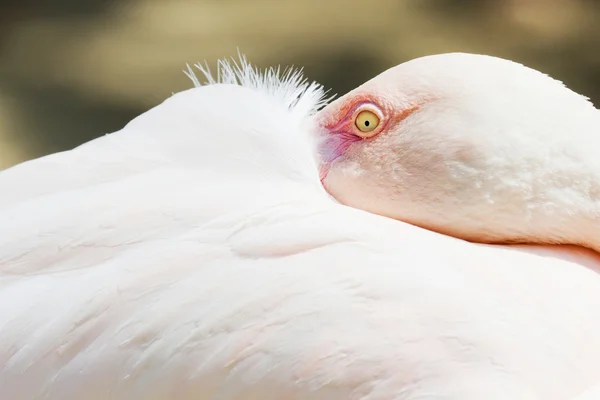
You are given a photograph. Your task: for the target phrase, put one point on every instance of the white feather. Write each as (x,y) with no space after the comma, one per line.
(194,255)
(289,87)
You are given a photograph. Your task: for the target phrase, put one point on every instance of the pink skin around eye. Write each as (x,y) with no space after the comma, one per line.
(342,132)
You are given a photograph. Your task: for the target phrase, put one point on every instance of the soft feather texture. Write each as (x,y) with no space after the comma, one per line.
(194,255)
(591,394)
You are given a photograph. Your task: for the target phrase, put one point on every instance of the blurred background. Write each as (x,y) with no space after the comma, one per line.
(72,70)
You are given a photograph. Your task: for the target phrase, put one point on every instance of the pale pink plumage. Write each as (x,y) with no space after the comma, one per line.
(194,255)
(479,148)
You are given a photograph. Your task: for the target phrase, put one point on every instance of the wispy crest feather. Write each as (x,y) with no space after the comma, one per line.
(288,85)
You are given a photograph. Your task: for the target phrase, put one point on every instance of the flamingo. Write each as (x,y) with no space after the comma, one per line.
(473,146)
(195,254)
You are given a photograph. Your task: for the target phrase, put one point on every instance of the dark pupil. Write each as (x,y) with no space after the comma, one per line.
(367,123)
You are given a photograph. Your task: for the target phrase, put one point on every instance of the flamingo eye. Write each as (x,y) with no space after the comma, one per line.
(366,122)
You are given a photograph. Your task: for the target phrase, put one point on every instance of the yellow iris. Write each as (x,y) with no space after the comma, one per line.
(366,121)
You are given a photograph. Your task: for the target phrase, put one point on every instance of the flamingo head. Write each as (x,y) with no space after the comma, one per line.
(473,146)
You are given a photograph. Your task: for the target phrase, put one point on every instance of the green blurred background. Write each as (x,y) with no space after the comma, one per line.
(72,70)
